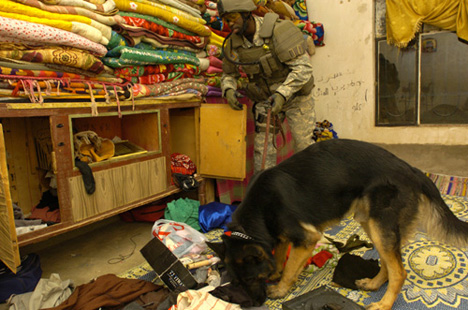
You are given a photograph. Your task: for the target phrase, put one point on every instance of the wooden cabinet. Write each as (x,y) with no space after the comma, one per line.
(38,139)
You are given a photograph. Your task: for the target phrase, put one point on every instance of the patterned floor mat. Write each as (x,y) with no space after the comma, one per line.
(437,273)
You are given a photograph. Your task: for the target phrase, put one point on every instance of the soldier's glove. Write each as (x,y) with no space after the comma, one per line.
(230,95)
(277,101)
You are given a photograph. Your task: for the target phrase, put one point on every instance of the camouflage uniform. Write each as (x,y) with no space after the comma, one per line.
(299,110)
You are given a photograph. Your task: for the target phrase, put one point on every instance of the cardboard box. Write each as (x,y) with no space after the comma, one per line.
(167,266)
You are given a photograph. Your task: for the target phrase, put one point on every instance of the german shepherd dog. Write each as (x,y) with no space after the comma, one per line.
(295,201)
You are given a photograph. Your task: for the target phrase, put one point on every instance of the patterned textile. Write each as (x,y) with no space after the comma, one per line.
(63,21)
(315,30)
(140,29)
(81,29)
(299,6)
(159,29)
(181,163)
(157,73)
(16,72)
(129,56)
(405,18)
(437,273)
(108,20)
(178,4)
(117,40)
(201,300)
(159,78)
(18,31)
(168,16)
(450,185)
(135,71)
(158,21)
(169,88)
(59,55)
(170,9)
(39,88)
(102,6)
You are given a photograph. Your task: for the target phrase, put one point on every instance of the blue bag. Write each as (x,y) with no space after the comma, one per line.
(25,280)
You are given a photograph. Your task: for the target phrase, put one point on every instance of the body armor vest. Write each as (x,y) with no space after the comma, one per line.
(264,65)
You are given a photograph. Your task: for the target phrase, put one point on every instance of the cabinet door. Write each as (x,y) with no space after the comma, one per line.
(222,142)
(9,252)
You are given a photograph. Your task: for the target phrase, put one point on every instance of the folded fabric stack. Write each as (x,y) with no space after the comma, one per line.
(53,50)
(158,47)
(213,61)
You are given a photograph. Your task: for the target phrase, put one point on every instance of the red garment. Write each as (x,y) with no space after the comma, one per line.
(321,258)
(181,163)
(318,259)
(159,29)
(45,215)
(106,291)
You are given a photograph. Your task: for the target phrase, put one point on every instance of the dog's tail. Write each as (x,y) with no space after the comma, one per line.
(439,221)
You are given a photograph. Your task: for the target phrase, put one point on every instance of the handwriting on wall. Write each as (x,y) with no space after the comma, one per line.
(337,85)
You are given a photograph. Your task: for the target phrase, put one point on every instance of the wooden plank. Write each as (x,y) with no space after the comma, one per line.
(143,129)
(105,126)
(222,142)
(117,187)
(26,189)
(63,156)
(183,132)
(9,252)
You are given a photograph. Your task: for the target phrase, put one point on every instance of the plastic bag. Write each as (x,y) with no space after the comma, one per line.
(179,237)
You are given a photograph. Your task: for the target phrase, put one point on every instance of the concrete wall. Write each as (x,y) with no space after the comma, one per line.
(345,73)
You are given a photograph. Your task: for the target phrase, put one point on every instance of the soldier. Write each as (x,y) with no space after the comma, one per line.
(275,55)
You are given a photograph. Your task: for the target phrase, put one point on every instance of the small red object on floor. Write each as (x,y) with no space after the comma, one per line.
(321,258)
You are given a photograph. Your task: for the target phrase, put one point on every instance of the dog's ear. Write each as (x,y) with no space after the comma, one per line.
(219,248)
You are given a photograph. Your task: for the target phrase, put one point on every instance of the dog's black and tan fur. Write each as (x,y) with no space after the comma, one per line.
(294,202)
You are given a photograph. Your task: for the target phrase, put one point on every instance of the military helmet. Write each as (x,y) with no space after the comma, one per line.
(232,6)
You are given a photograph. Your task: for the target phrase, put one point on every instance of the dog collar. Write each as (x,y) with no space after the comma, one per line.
(238,234)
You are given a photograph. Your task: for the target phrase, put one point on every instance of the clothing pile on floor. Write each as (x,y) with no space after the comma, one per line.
(213,289)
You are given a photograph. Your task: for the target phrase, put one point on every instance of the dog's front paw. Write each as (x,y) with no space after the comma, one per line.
(366,285)
(277,291)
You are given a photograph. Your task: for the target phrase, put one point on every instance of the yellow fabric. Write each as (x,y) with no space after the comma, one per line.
(405,18)
(174,10)
(89,147)
(216,39)
(131,6)
(18,8)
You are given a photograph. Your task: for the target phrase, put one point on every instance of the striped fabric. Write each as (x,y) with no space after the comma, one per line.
(450,185)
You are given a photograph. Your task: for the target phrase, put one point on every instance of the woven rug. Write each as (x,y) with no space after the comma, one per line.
(437,273)
(450,185)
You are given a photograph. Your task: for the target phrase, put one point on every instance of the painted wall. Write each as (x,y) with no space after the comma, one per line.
(344,78)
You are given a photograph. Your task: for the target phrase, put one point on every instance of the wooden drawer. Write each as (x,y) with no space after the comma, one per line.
(117,187)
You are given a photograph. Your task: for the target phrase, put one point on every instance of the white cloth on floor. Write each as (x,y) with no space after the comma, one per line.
(202,300)
(47,294)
